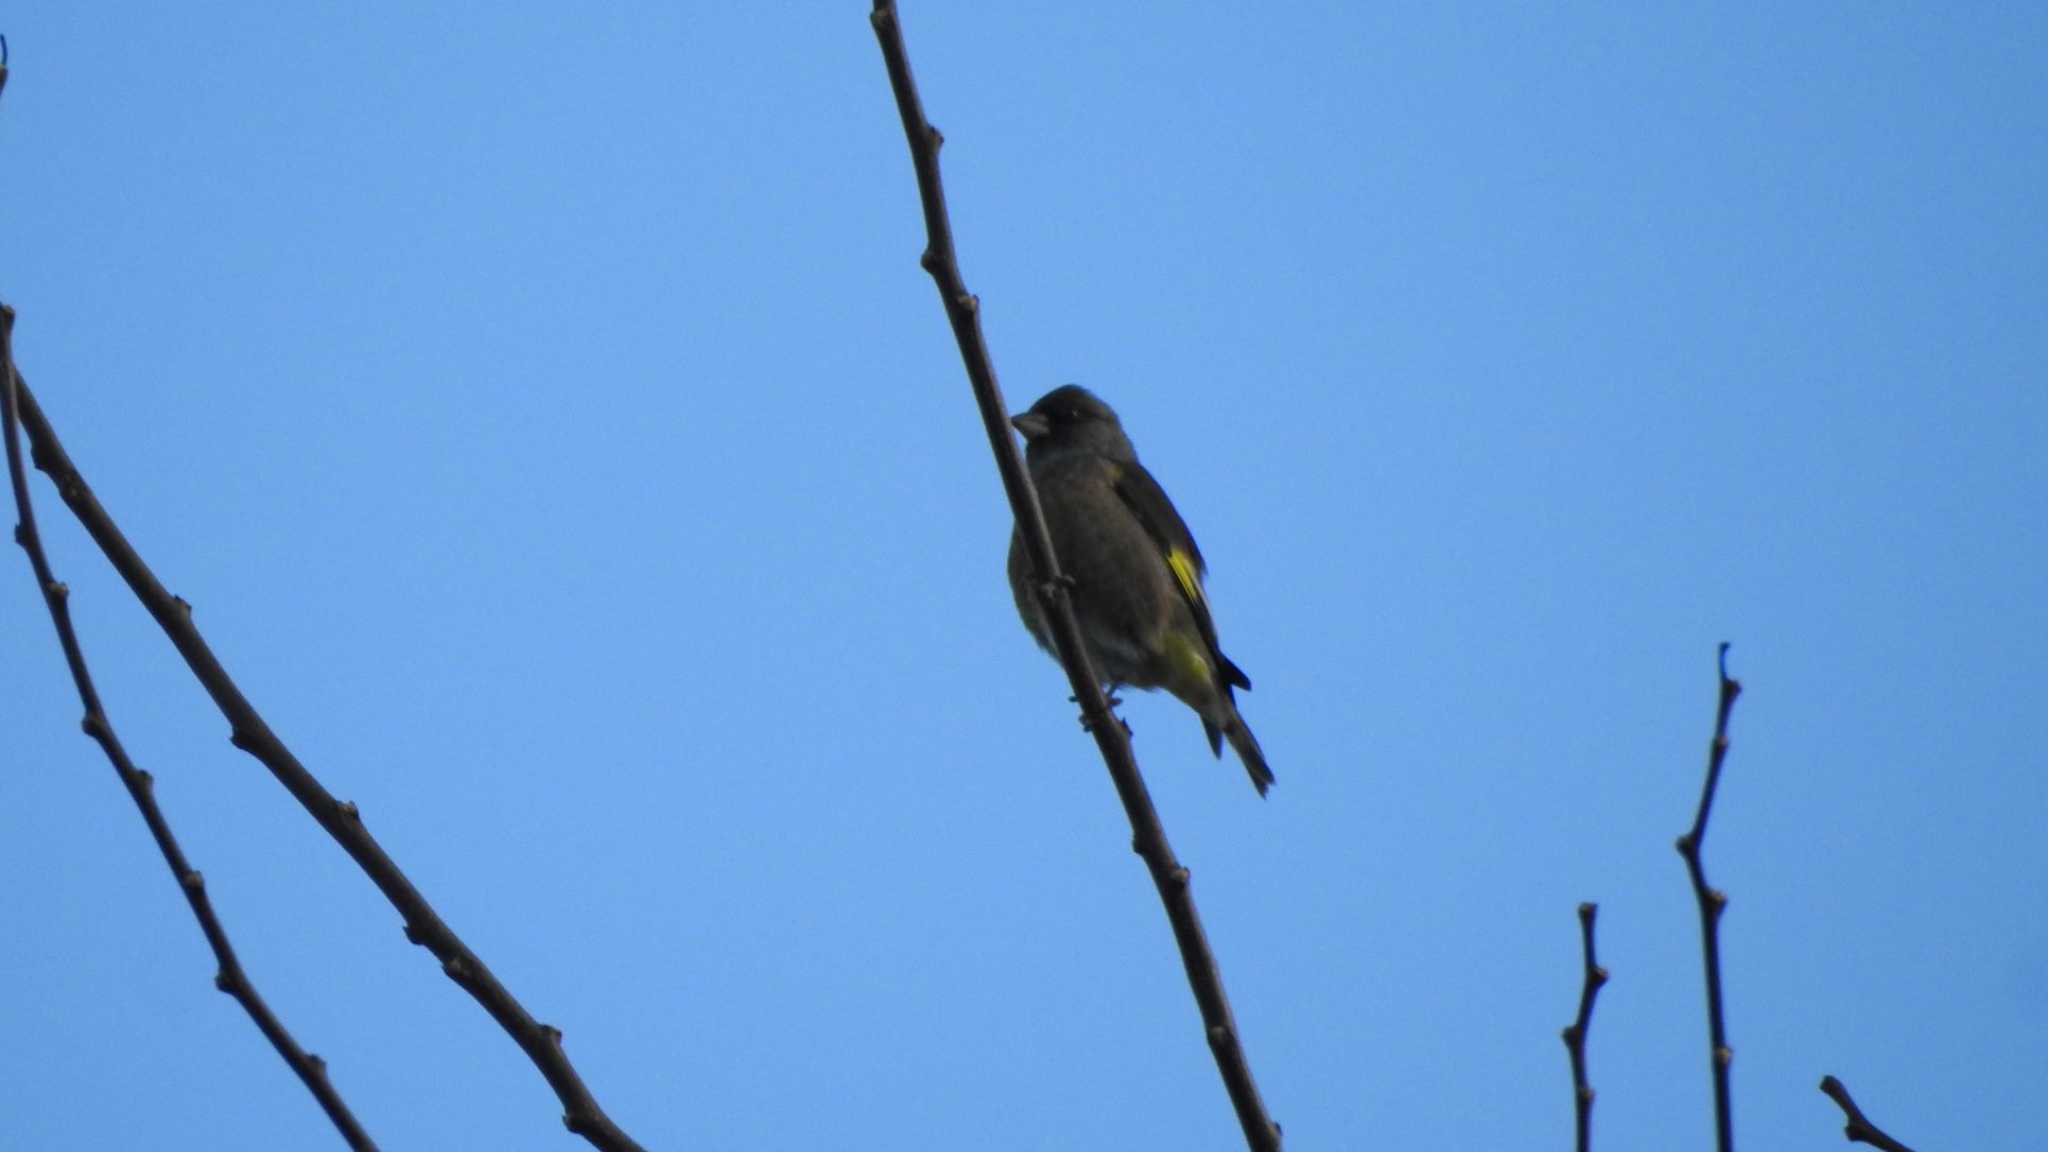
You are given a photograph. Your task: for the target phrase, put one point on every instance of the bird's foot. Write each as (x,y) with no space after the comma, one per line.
(1114,701)
(1060,583)
(1108,694)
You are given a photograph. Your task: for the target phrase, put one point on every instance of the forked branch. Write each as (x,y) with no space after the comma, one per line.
(229,975)
(248,731)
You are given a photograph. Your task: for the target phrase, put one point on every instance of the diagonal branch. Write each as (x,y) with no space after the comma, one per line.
(1712,903)
(1148,836)
(423,926)
(1575,1032)
(230,978)
(1859,1129)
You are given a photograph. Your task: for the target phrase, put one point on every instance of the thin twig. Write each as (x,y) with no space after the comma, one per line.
(423,926)
(1712,903)
(1148,836)
(1575,1032)
(230,976)
(1859,1129)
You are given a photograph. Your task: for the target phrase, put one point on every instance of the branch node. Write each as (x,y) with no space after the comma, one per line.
(192,881)
(221,983)
(57,590)
(553,1034)
(348,808)
(183,606)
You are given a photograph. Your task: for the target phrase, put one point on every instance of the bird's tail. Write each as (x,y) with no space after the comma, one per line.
(1246,746)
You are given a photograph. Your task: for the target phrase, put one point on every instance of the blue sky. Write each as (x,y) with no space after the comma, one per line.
(547,418)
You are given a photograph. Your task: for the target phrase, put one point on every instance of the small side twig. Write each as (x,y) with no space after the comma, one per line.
(1859,1129)
(1712,903)
(1148,836)
(1575,1032)
(229,977)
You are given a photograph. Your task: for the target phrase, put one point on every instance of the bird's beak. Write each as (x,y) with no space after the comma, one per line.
(1031,424)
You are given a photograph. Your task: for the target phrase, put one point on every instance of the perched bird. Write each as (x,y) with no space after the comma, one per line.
(1137,575)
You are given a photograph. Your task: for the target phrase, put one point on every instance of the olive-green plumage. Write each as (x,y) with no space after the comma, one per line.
(1136,572)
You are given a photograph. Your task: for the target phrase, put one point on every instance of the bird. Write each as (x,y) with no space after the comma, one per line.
(1133,571)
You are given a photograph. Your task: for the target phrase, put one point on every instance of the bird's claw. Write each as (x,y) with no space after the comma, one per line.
(1114,702)
(1109,696)
(1061,582)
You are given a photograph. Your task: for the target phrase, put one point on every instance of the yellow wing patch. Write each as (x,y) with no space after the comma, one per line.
(1183,566)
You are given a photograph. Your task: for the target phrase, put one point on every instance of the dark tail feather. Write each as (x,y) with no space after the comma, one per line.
(1233,676)
(1247,748)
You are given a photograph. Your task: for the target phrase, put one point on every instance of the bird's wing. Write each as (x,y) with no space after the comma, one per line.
(1162,522)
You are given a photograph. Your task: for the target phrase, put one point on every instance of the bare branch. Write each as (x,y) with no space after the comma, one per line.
(230,978)
(423,926)
(1859,1129)
(1148,836)
(1575,1032)
(1712,903)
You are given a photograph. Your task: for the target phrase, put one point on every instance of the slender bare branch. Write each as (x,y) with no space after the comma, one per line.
(1859,1129)
(1148,836)
(1575,1032)
(423,926)
(230,976)
(1712,903)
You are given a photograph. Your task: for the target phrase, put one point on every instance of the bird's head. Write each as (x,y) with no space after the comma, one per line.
(1068,419)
